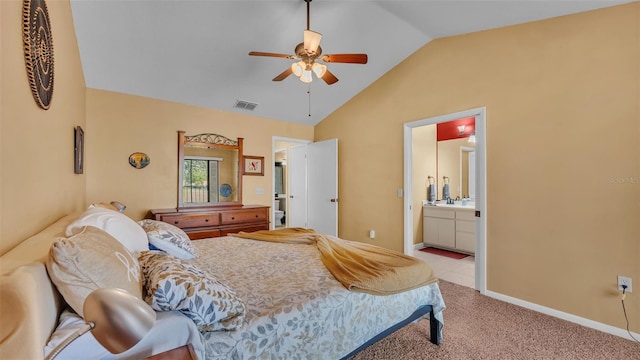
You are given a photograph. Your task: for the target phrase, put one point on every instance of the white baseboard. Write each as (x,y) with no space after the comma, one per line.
(564,316)
(419,246)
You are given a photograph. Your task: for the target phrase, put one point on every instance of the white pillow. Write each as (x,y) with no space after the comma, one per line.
(169,238)
(84,347)
(171,330)
(118,225)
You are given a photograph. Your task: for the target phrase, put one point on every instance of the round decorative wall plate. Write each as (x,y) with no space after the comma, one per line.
(226,190)
(38,50)
(139,160)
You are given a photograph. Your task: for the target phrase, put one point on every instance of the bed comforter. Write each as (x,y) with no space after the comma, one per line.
(295,308)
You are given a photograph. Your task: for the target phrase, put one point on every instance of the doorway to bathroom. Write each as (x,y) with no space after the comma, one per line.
(307,194)
(451,173)
(282,187)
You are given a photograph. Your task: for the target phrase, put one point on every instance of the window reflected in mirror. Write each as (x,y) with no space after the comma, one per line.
(200,182)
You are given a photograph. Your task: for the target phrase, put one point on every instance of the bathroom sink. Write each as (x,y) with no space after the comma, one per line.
(469,205)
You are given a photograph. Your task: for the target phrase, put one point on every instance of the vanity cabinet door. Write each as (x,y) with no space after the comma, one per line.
(446,232)
(466,242)
(439,231)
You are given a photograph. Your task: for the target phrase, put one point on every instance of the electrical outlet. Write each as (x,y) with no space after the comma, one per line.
(372,234)
(623,280)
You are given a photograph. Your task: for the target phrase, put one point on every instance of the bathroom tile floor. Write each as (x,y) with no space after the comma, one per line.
(461,272)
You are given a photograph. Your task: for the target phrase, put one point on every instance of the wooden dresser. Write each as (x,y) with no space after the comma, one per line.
(206,223)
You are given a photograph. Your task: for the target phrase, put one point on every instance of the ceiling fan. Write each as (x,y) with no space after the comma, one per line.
(308,52)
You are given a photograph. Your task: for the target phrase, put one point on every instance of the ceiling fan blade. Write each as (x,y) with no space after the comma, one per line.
(283,74)
(346,58)
(284,56)
(329,78)
(311,41)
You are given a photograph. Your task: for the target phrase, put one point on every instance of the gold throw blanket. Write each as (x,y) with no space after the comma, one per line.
(358,266)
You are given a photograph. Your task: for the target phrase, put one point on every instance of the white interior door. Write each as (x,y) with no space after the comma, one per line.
(297,191)
(322,180)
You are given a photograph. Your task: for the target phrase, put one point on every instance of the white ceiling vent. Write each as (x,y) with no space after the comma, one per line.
(243,104)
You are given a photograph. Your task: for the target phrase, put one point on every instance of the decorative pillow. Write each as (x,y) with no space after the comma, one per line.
(169,238)
(172,284)
(118,225)
(90,260)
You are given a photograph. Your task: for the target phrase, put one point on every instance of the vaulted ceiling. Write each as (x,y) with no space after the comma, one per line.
(196,52)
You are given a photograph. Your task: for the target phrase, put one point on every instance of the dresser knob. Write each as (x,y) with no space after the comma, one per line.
(232,218)
(206,220)
(176,222)
(256,215)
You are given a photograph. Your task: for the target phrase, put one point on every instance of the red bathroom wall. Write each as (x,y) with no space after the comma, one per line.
(449,130)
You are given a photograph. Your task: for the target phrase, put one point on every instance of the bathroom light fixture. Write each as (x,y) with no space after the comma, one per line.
(461,129)
(472,137)
(117,319)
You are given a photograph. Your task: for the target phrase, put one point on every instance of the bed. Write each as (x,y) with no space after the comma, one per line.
(292,305)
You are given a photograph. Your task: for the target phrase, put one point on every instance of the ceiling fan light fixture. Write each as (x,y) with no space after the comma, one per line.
(298,67)
(308,52)
(306,76)
(311,41)
(319,70)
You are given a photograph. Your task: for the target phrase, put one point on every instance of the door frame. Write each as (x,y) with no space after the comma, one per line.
(275,139)
(481,178)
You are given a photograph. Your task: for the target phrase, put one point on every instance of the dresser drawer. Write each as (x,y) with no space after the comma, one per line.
(242,216)
(203,234)
(193,220)
(246,228)
(211,223)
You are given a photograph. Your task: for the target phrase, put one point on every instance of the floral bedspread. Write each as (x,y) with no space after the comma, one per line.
(295,308)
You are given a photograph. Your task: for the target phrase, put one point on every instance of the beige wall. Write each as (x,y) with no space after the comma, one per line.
(38,184)
(423,140)
(563,153)
(120,124)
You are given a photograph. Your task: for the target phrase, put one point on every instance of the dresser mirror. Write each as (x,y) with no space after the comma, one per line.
(209,171)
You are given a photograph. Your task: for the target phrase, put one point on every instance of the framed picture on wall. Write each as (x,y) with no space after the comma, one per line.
(253,165)
(78,150)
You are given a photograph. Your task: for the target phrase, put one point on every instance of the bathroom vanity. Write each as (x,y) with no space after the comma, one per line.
(450,227)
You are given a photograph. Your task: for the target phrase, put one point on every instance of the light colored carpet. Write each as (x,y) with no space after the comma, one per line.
(479,327)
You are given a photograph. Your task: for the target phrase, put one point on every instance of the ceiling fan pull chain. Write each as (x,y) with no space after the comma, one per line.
(309,93)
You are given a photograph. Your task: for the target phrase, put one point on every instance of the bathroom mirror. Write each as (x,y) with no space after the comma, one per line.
(453,162)
(209,171)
